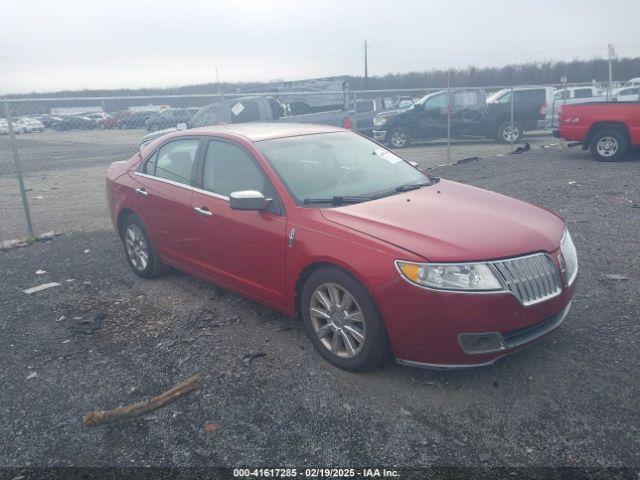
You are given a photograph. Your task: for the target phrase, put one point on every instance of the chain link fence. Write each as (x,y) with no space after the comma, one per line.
(54,152)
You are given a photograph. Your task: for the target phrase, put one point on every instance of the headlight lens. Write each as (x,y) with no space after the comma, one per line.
(570,257)
(379,121)
(450,276)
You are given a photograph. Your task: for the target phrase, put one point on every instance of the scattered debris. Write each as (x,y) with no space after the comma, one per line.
(574,183)
(405,412)
(66,341)
(94,322)
(616,277)
(39,288)
(87,251)
(32,375)
(40,272)
(526,148)
(347,407)
(61,318)
(467,160)
(249,357)
(25,242)
(211,427)
(140,408)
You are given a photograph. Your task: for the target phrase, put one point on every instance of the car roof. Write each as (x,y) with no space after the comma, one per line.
(257,131)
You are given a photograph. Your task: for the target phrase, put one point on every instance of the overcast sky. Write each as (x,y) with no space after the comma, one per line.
(71,44)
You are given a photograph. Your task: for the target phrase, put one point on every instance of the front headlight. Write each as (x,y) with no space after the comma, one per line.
(450,276)
(379,121)
(569,257)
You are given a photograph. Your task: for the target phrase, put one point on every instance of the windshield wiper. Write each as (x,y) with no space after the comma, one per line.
(411,186)
(337,200)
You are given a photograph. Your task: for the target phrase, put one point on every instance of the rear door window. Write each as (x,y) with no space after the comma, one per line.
(245,111)
(173,161)
(582,93)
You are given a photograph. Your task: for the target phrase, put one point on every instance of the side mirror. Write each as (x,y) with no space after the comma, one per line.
(248,200)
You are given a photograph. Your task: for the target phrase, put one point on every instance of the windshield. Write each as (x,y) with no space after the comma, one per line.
(338,165)
(494,96)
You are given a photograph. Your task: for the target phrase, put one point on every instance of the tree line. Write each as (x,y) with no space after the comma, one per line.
(530,73)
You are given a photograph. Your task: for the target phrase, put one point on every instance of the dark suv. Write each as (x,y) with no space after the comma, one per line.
(169,118)
(529,111)
(427,118)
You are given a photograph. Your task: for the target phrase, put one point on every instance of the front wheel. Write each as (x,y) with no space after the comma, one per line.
(609,145)
(342,321)
(398,137)
(139,249)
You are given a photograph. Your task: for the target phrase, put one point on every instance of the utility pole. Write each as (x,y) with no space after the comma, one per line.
(612,54)
(218,81)
(366,68)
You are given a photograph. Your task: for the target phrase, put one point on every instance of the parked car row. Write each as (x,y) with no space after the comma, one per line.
(21,125)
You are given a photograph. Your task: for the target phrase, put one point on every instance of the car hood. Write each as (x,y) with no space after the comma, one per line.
(452,222)
(392,113)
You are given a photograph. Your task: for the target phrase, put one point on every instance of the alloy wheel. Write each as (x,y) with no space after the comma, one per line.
(509,134)
(398,139)
(137,249)
(337,320)
(607,146)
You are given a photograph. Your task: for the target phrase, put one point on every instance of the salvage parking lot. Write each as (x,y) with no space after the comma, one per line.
(104,338)
(56,164)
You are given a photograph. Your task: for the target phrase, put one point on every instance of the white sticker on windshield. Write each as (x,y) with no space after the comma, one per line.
(387,155)
(237,109)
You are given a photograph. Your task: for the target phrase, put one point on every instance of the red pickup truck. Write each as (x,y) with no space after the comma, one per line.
(608,129)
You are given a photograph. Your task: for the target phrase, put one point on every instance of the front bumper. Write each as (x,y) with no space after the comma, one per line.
(380,135)
(438,329)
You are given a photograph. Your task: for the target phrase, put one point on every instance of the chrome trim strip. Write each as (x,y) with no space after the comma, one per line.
(437,366)
(182,185)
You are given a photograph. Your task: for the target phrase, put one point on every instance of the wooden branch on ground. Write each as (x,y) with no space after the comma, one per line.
(102,416)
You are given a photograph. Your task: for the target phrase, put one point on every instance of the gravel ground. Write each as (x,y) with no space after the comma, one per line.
(570,400)
(64,174)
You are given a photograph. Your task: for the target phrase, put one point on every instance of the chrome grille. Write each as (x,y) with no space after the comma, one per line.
(531,279)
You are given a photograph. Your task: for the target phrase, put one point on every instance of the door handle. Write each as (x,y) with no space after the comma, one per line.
(142,192)
(204,211)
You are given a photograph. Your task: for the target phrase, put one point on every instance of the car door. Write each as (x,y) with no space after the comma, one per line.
(467,111)
(433,116)
(165,185)
(244,250)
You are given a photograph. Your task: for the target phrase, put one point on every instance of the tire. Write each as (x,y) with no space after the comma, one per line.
(398,137)
(609,145)
(359,325)
(504,130)
(136,240)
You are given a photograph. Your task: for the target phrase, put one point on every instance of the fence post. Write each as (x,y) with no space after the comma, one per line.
(16,160)
(354,119)
(512,135)
(448,124)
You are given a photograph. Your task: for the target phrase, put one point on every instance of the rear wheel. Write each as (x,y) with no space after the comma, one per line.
(342,321)
(507,134)
(399,137)
(609,145)
(139,249)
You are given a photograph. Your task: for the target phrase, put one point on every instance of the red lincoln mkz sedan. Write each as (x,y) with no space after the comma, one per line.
(376,257)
